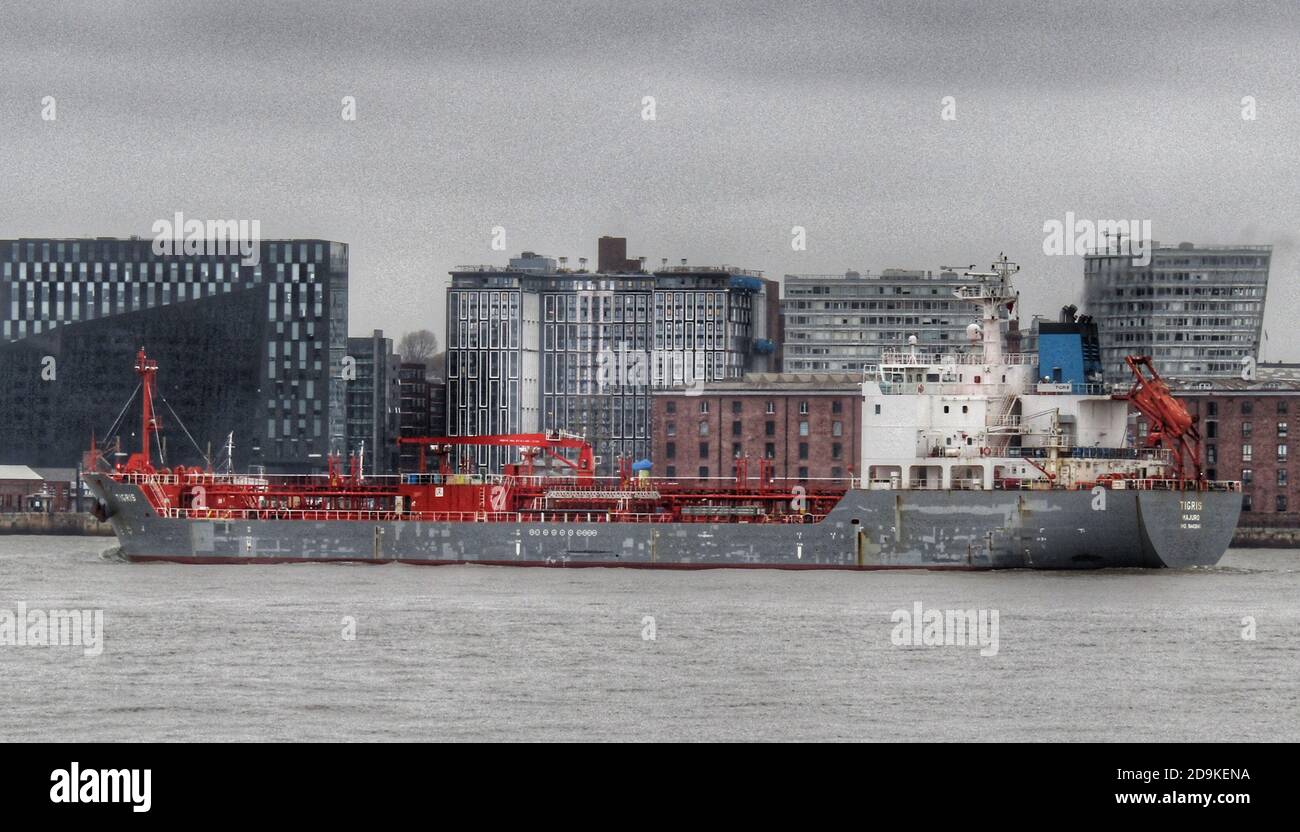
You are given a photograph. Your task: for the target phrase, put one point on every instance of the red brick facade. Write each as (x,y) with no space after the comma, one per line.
(1247,435)
(810,429)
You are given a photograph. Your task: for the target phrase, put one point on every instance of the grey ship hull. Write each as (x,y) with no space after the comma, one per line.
(867,529)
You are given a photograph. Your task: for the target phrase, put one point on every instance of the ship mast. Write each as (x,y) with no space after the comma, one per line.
(147,369)
(992,293)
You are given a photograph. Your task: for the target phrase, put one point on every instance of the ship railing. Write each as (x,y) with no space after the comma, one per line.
(1181,485)
(907,358)
(932,388)
(560,517)
(1053,388)
(337,514)
(1157,455)
(146,479)
(955,484)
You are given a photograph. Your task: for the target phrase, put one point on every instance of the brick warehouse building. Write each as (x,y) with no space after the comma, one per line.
(1245,435)
(809,424)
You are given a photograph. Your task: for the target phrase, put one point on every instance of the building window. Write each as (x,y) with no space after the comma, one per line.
(1211,408)
(803,408)
(803,473)
(1247,476)
(837,406)
(877,410)
(671,407)
(670,450)
(735,428)
(1281,406)
(736,451)
(771,408)
(837,450)
(1247,408)
(803,428)
(1281,453)
(769,428)
(704,472)
(1247,428)
(1281,477)
(769,450)
(704,428)
(1211,454)
(1246,502)
(704,406)
(1247,453)
(803,450)
(671,470)
(837,428)
(704,450)
(735,406)
(1281,502)
(671,429)
(1281,428)
(1211,430)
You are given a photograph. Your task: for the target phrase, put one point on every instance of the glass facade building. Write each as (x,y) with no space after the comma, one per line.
(534,347)
(1197,310)
(252,348)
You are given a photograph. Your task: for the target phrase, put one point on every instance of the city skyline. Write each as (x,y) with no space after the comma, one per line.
(827,117)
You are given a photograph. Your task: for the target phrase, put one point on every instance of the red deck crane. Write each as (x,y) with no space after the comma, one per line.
(1170,423)
(552,444)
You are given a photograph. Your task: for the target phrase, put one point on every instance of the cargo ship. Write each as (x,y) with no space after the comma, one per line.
(977,458)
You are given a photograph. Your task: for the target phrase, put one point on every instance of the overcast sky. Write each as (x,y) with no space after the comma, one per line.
(769,115)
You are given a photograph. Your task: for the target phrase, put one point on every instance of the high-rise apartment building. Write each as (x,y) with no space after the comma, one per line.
(843,323)
(1197,310)
(537,346)
(416,398)
(374,397)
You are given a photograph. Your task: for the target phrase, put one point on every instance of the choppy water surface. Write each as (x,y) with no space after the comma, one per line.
(458,653)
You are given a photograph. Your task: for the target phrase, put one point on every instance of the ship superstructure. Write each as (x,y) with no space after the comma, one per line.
(984,417)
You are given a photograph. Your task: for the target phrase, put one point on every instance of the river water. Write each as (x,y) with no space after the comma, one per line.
(394,652)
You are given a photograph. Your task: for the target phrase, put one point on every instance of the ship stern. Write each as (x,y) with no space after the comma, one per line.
(1182,529)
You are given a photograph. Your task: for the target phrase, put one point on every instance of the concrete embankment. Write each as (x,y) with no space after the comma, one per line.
(56,523)
(1266,538)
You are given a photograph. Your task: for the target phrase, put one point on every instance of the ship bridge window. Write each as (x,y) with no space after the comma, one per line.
(932,377)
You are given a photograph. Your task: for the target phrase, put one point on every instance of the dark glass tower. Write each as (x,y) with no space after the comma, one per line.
(249,348)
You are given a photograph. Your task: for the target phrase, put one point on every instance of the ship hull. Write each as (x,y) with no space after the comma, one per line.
(867,529)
